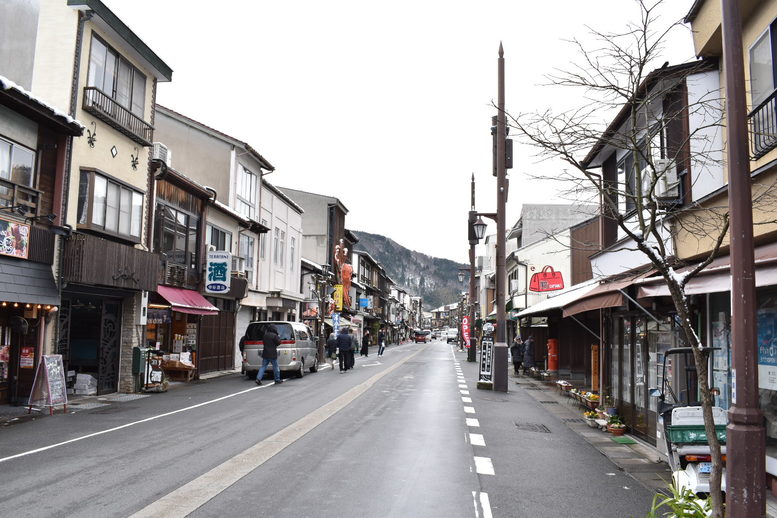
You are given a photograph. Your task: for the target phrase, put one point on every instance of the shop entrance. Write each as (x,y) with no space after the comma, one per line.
(93,330)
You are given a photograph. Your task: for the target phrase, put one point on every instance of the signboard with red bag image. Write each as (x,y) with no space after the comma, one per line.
(546,280)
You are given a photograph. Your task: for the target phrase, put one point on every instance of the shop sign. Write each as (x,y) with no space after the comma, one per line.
(217,272)
(159,316)
(338,297)
(465,330)
(546,280)
(48,388)
(27,358)
(364,303)
(336,323)
(14,239)
(486,351)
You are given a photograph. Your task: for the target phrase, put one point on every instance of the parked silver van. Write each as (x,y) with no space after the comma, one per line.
(298,350)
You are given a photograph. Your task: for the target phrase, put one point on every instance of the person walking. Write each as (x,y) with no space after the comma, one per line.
(528,354)
(331,350)
(270,354)
(516,351)
(344,350)
(381,341)
(354,345)
(365,343)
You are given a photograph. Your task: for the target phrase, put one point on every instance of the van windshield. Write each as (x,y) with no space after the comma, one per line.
(256,331)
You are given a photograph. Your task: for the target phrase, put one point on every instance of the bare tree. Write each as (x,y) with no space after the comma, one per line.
(649,197)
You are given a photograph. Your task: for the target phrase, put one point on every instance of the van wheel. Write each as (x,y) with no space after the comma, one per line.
(301,371)
(314,367)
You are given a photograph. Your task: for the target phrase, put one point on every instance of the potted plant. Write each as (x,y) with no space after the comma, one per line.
(615,425)
(592,400)
(590,418)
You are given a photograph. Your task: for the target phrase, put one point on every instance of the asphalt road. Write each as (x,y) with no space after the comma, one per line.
(395,437)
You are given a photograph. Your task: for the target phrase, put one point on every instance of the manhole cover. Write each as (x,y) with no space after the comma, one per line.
(77,407)
(549,402)
(532,427)
(123,397)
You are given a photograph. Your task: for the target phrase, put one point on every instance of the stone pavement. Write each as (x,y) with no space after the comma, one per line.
(640,460)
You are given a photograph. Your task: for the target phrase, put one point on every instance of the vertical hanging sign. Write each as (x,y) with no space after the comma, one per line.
(338,297)
(465,330)
(217,273)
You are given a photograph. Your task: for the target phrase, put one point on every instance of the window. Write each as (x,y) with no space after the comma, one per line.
(763,76)
(275,248)
(247,253)
(17,163)
(246,192)
(282,245)
(116,77)
(262,241)
(105,204)
(220,239)
(292,252)
(177,236)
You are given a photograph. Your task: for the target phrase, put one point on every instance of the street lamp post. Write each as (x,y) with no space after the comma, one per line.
(500,345)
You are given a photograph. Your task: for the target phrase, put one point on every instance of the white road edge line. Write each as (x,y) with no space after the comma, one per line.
(189,497)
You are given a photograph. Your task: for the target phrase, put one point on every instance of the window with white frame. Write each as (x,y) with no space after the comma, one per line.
(275,248)
(219,239)
(762,66)
(116,77)
(292,252)
(246,192)
(263,242)
(109,206)
(282,245)
(247,253)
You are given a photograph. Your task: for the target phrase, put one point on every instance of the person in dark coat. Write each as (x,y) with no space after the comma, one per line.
(271,342)
(365,343)
(528,354)
(344,349)
(516,352)
(381,341)
(331,350)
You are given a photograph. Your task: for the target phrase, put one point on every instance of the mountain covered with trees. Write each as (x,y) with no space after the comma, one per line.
(421,275)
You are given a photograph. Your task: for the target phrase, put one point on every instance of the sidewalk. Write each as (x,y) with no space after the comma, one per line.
(642,461)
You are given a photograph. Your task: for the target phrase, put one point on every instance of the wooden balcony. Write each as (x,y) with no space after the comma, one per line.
(762,122)
(15,195)
(95,261)
(112,113)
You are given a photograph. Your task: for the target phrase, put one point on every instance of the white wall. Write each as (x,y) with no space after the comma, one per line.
(280,215)
(707,136)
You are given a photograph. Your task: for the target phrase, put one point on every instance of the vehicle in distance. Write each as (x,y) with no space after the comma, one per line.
(451,334)
(298,350)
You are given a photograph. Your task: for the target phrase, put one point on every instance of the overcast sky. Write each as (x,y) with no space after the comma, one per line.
(386,105)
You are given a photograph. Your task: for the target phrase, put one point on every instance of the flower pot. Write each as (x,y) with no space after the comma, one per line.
(617,432)
(591,423)
(591,404)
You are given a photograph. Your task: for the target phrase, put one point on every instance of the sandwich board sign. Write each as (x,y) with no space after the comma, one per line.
(49,387)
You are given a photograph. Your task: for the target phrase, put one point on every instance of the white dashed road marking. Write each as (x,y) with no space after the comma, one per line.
(466,399)
(473,422)
(469,410)
(477,439)
(484,466)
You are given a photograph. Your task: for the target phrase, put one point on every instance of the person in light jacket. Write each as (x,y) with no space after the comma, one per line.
(271,342)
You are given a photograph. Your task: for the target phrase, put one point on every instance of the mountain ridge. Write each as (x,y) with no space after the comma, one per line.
(434,279)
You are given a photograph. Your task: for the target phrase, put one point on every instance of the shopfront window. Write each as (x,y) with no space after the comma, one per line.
(720,335)
(615,363)
(767,361)
(626,362)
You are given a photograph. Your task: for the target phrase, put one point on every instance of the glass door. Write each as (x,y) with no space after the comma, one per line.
(640,422)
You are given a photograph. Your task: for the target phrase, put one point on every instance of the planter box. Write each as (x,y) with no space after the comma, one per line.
(592,423)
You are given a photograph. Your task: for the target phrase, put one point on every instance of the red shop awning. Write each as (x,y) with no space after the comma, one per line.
(187,301)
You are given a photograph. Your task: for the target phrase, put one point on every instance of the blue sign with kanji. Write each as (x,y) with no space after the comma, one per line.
(217,272)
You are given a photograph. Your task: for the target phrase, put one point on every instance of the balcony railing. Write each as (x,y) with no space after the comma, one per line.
(15,195)
(108,110)
(763,127)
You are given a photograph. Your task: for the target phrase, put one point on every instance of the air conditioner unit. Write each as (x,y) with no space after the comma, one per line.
(515,285)
(161,152)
